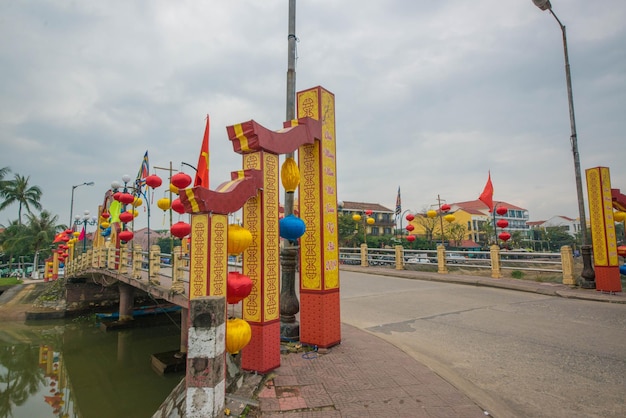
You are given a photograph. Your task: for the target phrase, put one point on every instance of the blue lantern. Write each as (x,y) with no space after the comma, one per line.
(291,227)
(622,269)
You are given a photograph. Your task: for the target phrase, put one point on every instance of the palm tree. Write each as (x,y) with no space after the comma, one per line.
(41,231)
(18,191)
(3,172)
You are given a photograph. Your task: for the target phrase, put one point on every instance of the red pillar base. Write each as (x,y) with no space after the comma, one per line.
(608,279)
(320,318)
(262,354)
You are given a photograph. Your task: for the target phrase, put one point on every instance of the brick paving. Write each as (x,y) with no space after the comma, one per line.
(364,376)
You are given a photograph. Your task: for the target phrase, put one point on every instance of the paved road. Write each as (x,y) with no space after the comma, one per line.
(516,354)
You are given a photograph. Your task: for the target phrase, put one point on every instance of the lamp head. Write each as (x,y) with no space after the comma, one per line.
(543,4)
(89,183)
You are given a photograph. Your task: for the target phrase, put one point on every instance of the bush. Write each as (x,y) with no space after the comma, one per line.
(516,274)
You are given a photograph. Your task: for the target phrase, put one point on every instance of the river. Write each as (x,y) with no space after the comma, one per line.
(72,368)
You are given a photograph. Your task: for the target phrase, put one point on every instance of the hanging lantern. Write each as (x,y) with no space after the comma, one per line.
(356,217)
(153,181)
(238,335)
(180,229)
(137,202)
(65,238)
(290,175)
(431,213)
(502,223)
(126,235)
(238,287)
(68,231)
(449,218)
(105,215)
(502,210)
(127,198)
(369,212)
(370,221)
(173,189)
(621,250)
(126,216)
(105,225)
(75,233)
(116,196)
(445,207)
(619,216)
(410,238)
(135,213)
(410,227)
(504,236)
(163,203)
(239,238)
(178,207)
(410,217)
(181,180)
(291,227)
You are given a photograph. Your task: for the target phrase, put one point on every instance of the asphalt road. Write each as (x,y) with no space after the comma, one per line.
(516,354)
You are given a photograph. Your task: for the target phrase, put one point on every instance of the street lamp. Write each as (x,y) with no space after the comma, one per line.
(587,274)
(87,183)
(85,220)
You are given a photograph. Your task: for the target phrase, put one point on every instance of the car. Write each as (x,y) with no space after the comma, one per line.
(418,260)
(454,258)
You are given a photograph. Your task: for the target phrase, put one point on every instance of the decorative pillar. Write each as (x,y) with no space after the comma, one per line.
(603,236)
(441,259)
(496,266)
(567,265)
(261,262)
(209,258)
(320,321)
(399,257)
(364,256)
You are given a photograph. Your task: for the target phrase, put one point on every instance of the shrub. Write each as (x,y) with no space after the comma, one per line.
(516,274)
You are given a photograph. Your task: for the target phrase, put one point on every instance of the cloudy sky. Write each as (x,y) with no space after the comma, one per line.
(430,95)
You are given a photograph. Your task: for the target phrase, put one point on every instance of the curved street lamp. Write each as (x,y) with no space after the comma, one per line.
(87,183)
(85,220)
(587,274)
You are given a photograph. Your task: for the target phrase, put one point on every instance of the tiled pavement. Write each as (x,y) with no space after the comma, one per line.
(364,376)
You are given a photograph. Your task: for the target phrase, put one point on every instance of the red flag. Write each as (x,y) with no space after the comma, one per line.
(487,195)
(202,175)
(82,234)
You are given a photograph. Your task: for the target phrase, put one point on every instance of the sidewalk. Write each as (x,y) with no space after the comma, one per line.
(365,376)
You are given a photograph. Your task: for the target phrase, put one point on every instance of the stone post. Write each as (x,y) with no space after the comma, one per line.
(137,261)
(399,257)
(364,262)
(496,266)
(442,266)
(206,358)
(155,264)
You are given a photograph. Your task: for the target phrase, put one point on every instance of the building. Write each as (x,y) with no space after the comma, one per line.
(566,224)
(384,222)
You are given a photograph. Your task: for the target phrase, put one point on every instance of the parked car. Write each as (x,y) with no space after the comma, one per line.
(454,258)
(418,260)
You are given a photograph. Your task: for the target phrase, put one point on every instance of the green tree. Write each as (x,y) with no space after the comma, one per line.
(557,238)
(456,232)
(41,231)
(346,227)
(14,241)
(18,191)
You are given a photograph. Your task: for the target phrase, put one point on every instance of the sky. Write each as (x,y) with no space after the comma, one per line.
(431,96)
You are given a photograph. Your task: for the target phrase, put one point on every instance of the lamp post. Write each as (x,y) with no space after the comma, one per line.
(85,220)
(87,183)
(588,275)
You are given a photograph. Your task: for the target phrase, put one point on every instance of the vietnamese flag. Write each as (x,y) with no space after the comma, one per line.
(202,173)
(487,195)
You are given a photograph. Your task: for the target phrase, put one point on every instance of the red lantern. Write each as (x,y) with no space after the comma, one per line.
(154,181)
(177,206)
(238,287)
(621,250)
(181,180)
(116,196)
(68,231)
(502,210)
(126,235)
(410,217)
(410,227)
(410,238)
(126,198)
(502,223)
(59,251)
(126,216)
(65,238)
(504,236)
(180,229)
(369,212)
(445,207)
(105,215)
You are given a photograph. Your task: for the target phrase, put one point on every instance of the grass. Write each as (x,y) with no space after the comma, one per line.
(9,281)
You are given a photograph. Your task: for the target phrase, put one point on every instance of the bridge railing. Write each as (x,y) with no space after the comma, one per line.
(491,262)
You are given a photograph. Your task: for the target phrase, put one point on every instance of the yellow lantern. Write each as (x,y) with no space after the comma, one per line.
(450,218)
(356,217)
(135,213)
(619,216)
(238,335)
(163,203)
(76,233)
(173,189)
(105,224)
(431,213)
(370,221)
(137,202)
(290,175)
(239,238)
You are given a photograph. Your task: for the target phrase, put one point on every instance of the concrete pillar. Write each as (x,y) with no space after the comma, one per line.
(567,265)
(184,330)
(206,361)
(364,262)
(496,265)
(399,257)
(442,265)
(155,264)
(127,301)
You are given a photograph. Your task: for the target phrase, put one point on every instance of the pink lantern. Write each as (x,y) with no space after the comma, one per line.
(410,238)
(238,287)
(181,180)
(502,210)
(504,236)
(410,217)
(502,223)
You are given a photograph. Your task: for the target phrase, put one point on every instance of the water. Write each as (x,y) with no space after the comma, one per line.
(73,369)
